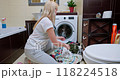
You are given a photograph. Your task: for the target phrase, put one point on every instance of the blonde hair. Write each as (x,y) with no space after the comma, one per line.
(49,11)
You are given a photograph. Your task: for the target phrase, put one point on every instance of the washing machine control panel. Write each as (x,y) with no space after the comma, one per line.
(64,17)
(70,17)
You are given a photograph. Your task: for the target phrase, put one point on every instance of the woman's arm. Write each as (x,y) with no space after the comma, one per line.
(53,38)
(61,38)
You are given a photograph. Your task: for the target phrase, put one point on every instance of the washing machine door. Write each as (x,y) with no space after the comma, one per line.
(66,30)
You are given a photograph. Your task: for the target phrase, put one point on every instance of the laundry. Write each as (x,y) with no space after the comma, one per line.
(64,56)
(66,53)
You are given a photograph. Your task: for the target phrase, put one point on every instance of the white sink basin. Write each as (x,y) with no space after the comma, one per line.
(36,15)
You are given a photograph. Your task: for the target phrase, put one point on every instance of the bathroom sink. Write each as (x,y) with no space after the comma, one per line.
(36,15)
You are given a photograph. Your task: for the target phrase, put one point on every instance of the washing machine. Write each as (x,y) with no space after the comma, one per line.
(66,26)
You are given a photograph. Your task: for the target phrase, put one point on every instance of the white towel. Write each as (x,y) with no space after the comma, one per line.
(66,53)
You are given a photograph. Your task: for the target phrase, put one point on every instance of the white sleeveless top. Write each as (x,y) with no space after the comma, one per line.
(39,38)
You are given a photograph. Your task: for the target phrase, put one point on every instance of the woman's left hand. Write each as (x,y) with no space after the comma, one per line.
(61,38)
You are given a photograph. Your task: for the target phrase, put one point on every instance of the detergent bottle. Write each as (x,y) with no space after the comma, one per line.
(3,22)
(114,32)
(117,38)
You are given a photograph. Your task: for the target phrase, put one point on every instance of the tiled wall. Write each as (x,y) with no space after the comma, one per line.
(3,8)
(17,11)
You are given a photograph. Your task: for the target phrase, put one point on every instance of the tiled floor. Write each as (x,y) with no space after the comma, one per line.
(20,59)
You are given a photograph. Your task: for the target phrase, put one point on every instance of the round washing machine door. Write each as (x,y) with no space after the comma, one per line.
(66,30)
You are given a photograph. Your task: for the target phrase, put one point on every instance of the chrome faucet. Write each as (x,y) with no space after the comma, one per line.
(41,11)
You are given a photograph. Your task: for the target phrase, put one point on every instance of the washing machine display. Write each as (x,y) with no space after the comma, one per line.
(65,30)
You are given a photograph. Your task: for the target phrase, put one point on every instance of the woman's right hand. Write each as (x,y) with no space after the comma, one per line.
(67,46)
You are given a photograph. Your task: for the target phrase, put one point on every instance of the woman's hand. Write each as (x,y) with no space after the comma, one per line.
(61,38)
(67,46)
(53,39)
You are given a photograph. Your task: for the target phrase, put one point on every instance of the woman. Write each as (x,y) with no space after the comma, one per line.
(39,42)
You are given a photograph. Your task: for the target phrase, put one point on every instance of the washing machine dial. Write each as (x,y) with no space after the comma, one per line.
(64,17)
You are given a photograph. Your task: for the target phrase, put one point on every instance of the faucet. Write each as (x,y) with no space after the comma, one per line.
(41,11)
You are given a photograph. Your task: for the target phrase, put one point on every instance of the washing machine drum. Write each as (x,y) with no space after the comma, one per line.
(65,30)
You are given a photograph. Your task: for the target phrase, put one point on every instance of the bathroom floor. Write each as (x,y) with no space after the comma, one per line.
(14,57)
(20,60)
(18,57)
